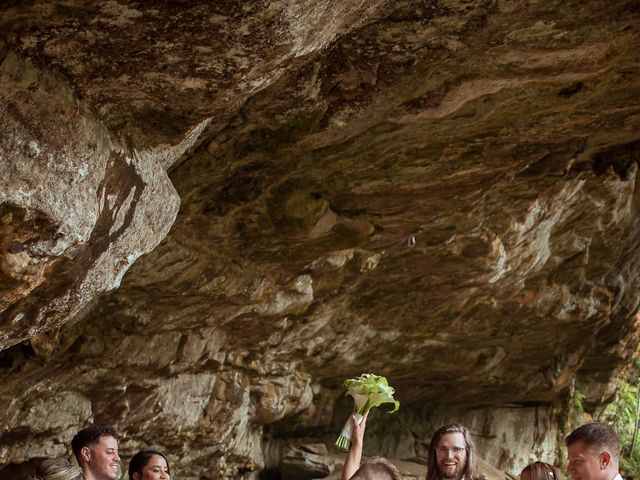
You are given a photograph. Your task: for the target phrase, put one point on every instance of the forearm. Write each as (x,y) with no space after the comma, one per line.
(352,461)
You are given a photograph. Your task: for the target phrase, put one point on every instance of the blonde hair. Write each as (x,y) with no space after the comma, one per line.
(380,466)
(57,469)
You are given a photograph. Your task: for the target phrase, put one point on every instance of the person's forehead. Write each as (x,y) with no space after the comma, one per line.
(107,441)
(156,460)
(455,439)
(581,450)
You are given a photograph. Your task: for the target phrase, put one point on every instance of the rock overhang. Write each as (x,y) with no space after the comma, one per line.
(442,193)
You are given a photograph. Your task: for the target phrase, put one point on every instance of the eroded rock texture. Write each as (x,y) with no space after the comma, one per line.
(443,192)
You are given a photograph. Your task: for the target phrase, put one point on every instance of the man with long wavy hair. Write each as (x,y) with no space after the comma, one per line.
(452,455)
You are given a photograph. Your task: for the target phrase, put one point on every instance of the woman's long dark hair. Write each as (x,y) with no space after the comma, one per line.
(471,469)
(140,460)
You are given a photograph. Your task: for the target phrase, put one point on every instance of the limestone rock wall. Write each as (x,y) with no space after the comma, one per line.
(286,194)
(506,437)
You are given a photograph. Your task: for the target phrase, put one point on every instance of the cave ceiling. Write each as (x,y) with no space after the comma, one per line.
(251,201)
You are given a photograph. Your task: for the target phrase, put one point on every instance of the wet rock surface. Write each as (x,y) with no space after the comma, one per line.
(210,215)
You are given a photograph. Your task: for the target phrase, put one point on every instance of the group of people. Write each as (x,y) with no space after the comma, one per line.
(593,453)
(96,450)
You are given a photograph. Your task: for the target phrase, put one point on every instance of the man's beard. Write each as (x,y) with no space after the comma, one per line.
(456,474)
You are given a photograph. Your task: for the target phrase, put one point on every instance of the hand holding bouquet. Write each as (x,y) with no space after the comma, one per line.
(368,391)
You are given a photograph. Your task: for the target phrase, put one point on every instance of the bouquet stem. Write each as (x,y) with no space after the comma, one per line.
(344,439)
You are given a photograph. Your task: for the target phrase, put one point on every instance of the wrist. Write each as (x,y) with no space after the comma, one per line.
(357,442)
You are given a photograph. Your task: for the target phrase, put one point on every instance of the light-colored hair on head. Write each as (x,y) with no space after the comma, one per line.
(542,471)
(379,468)
(57,469)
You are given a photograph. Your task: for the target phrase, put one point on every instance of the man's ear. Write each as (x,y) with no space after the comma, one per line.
(85,454)
(605,459)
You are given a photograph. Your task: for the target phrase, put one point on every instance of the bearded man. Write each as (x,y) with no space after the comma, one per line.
(452,455)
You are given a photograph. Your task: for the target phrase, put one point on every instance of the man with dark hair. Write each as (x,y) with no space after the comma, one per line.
(594,453)
(96,449)
(452,455)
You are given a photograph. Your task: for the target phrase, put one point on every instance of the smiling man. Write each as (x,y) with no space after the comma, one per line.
(594,453)
(96,449)
(452,455)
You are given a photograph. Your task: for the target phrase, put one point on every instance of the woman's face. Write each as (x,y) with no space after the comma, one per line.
(155,469)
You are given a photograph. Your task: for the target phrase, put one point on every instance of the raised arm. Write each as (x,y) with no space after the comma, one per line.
(354,455)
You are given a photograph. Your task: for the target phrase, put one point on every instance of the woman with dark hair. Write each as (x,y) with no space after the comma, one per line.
(149,465)
(540,471)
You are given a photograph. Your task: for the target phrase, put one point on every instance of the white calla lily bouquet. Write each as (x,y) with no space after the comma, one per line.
(368,391)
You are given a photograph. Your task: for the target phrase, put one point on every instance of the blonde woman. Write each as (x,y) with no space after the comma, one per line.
(376,468)
(57,469)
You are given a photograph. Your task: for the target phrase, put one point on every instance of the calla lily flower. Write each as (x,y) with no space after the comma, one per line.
(368,391)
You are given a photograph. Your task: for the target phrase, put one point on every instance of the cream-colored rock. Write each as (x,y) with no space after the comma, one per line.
(79,207)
